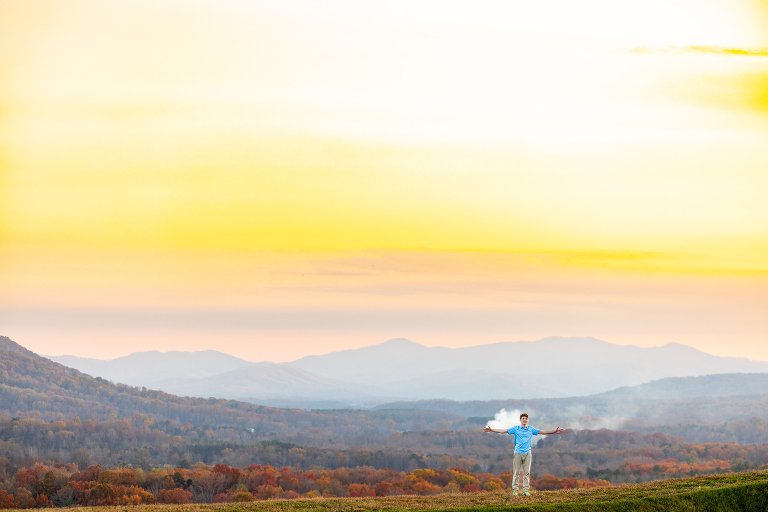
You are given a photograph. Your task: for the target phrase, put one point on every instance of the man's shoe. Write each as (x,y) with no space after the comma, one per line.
(526,493)
(514,493)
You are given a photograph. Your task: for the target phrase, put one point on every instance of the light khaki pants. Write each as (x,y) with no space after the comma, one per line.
(521,460)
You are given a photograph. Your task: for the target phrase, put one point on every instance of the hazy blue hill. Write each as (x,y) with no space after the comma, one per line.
(387,362)
(147,368)
(469,384)
(563,366)
(727,384)
(266,382)
(553,367)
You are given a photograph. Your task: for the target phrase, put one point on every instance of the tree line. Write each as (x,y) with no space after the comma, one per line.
(62,485)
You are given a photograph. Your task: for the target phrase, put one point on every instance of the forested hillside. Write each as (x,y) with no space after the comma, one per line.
(55,415)
(726,384)
(33,383)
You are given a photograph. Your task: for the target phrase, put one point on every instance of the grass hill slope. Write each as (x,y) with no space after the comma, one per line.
(725,493)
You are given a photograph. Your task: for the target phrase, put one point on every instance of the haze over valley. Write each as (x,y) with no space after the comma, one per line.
(400,369)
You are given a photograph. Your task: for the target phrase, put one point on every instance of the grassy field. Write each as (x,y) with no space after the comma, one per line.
(733,491)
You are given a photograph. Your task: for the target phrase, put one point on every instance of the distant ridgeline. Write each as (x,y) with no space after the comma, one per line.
(57,415)
(399,369)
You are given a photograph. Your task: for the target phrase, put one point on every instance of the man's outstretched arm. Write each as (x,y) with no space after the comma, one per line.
(558,430)
(498,431)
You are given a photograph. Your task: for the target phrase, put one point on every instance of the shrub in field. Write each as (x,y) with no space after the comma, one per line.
(452,488)
(546,483)
(30,478)
(42,501)
(261,476)
(265,492)
(439,478)
(130,501)
(359,490)
(231,475)
(224,497)
(383,489)
(242,496)
(23,498)
(135,495)
(423,487)
(174,496)
(6,500)
(103,494)
(582,484)
(493,484)
(463,479)
(335,488)
(134,491)
(64,497)
(207,484)
(344,476)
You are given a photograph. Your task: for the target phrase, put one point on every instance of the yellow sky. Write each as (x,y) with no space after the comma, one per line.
(521,169)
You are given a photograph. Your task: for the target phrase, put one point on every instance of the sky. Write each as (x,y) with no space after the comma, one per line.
(279,179)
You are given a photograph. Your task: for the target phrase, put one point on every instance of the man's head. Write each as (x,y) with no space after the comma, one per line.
(524,419)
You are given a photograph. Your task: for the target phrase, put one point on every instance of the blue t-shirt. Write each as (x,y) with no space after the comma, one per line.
(523,438)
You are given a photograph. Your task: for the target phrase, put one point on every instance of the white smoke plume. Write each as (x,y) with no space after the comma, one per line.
(579,418)
(576,417)
(505,419)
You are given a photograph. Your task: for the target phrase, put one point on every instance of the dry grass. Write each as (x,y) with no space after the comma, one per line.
(650,496)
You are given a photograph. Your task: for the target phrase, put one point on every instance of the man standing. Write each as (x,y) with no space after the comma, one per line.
(522,457)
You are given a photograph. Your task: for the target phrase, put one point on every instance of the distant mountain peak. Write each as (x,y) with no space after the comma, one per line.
(680,346)
(145,368)
(572,339)
(400,342)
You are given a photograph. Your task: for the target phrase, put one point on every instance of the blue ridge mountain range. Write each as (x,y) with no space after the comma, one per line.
(401,370)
